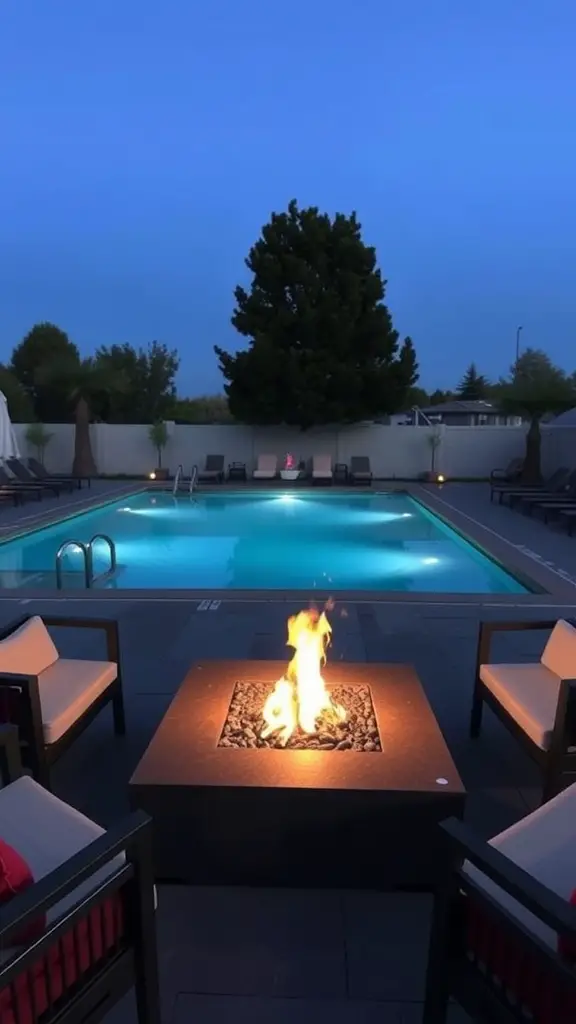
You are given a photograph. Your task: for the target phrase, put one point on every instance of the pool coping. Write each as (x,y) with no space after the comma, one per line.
(513,559)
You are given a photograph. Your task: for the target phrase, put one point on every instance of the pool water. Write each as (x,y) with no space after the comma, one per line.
(262,540)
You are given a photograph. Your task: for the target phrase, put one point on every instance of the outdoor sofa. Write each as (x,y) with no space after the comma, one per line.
(503,936)
(77,921)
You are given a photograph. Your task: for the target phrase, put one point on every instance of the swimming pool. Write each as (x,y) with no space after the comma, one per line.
(260,541)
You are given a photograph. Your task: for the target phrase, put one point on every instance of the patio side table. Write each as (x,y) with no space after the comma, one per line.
(341,473)
(237,471)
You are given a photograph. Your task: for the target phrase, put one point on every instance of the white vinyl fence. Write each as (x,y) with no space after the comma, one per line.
(395,452)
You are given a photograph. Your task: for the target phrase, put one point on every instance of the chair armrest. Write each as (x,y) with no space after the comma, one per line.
(546,905)
(10,760)
(109,626)
(133,836)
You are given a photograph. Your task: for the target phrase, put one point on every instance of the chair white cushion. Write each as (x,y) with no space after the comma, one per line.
(29,650)
(529,693)
(67,689)
(321,466)
(46,832)
(544,845)
(266,467)
(559,655)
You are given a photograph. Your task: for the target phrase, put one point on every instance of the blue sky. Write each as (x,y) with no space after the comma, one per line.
(143,145)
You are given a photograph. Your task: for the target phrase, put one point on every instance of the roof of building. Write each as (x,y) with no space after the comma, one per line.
(457,406)
(565,419)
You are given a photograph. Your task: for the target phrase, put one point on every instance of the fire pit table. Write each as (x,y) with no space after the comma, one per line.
(354,806)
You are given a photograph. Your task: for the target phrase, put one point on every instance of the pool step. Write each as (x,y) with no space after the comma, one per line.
(46,579)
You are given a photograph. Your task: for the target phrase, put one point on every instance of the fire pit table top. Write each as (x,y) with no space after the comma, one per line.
(184,751)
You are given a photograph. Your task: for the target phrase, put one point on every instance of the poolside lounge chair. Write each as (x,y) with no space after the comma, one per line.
(79,931)
(525,498)
(266,467)
(536,702)
(9,485)
(360,471)
(508,475)
(546,503)
(503,936)
(40,473)
(555,482)
(23,474)
(322,469)
(213,469)
(53,699)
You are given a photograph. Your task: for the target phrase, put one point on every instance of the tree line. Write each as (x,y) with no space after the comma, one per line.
(320,348)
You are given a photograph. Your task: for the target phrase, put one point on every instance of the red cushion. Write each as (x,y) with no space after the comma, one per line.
(16,877)
(64,964)
(567,945)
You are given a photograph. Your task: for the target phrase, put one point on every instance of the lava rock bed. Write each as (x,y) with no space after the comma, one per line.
(359,732)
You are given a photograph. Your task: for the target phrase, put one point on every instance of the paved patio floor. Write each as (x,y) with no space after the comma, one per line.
(229,956)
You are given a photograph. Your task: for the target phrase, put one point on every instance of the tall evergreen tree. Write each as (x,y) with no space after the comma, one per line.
(322,346)
(473,386)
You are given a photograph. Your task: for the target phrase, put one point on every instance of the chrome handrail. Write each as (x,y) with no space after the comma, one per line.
(112,548)
(179,473)
(193,477)
(86,550)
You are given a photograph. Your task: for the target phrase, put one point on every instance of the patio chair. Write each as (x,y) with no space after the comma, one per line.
(40,473)
(9,485)
(79,931)
(53,699)
(322,469)
(23,474)
(530,503)
(536,702)
(503,937)
(555,481)
(527,502)
(360,471)
(213,469)
(266,467)
(508,475)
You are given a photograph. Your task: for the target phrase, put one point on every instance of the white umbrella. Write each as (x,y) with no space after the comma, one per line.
(8,443)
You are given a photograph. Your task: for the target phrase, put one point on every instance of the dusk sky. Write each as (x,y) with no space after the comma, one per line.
(143,145)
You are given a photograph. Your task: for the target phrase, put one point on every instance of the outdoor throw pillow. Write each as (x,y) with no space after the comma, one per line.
(16,877)
(567,945)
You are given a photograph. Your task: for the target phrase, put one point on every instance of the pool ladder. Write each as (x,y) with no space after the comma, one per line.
(88,559)
(180,476)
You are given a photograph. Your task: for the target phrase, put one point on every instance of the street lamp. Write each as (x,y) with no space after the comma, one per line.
(518,329)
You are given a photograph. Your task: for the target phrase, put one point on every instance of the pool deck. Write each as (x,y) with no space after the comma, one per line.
(242,955)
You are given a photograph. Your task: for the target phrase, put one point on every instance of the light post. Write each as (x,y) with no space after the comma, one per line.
(518,330)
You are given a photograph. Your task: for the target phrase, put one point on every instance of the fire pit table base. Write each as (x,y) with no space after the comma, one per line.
(321,818)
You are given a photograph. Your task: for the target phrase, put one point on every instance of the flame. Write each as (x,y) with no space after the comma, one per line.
(300,697)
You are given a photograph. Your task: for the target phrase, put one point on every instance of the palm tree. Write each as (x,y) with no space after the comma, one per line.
(536,388)
(84,384)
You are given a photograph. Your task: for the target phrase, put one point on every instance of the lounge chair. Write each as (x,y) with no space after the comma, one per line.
(9,485)
(501,489)
(508,475)
(525,499)
(54,699)
(360,471)
(322,469)
(554,483)
(41,473)
(266,467)
(503,936)
(79,931)
(547,503)
(568,517)
(213,469)
(535,702)
(23,474)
